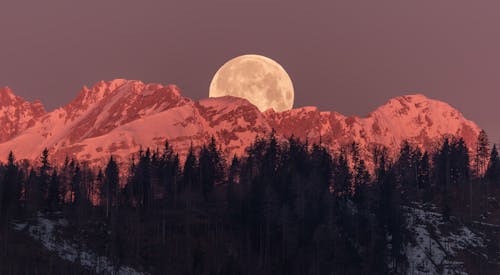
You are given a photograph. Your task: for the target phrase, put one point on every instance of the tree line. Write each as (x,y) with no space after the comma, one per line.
(283,208)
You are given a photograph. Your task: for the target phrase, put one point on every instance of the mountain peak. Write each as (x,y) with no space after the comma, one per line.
(414,97)
(17,114)
(411,105)
(6,96)
(118,116)
(6,90)
(103,88)
(410,98)
(120,88)
(227,100)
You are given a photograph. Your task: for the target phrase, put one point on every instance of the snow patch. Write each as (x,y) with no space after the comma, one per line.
(44,230)
(433,251)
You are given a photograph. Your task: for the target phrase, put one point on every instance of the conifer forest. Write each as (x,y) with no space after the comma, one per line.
(284,207)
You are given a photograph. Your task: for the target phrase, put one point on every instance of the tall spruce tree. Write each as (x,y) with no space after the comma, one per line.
(424,176)
(493,172)
(482,154)
(111,184)
(10,189)
(342,177)
(54,195)
(44,177)
(189,172)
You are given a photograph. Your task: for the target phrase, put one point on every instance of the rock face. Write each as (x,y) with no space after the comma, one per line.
(16,114)
(121,116)
(415,118)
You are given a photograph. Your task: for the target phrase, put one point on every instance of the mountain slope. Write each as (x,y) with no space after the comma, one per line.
(16,114)
(416,118)
(120,116)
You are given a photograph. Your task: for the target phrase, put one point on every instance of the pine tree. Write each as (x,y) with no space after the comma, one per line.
(322,164)
(442,164)
(270,162)
(176,173)
(459,162)
(189,173)
(33,193)
(211,168)
(54,196)
(406,169)
(424,175)
(99,199)
(234,170)
(361,175)
(111,185)
(233,179)
(76,182)
(442,174)
(143,183)
(493,171)
(341,177)
(44,177)
(361,180)
(10,189)
(482,154)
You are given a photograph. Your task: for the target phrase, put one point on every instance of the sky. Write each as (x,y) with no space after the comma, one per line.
(346,56)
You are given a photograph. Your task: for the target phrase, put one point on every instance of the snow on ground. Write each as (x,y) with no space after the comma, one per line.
(44,230)
(433,251)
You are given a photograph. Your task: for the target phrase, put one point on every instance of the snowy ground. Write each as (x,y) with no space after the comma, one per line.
(433,251)
(44,230)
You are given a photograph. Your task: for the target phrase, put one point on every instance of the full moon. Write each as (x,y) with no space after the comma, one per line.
(259,79)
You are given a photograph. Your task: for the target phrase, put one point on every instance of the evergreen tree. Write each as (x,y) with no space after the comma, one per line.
(289,208)
(189,173)
(33,195)
(100,181)
(361,175)
(110,187)
(482,154)
(175,173)
(54,196)
(76,182)
(270,163)
(142,189)
(211,168)
(442,164)
(321,164)
(233,179)
(341,177)
(389,212)
(424,175)
(10,189)
(493,171)
(44,177)
(361,180)
(406,169)
(442,174)
(234,170)
(459,162)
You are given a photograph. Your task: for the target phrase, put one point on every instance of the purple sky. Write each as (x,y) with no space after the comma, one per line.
(349,56)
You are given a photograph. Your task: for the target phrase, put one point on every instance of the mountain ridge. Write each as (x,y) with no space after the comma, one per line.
(120,116)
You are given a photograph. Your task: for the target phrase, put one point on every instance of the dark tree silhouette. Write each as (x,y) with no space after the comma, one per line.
(493,172)
(283,207)
(110,186)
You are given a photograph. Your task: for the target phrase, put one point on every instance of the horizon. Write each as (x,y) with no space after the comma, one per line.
(367,113)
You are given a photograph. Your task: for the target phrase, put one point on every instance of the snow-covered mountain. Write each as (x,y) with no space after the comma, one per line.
(16,114)
(119,116)
(415,118)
